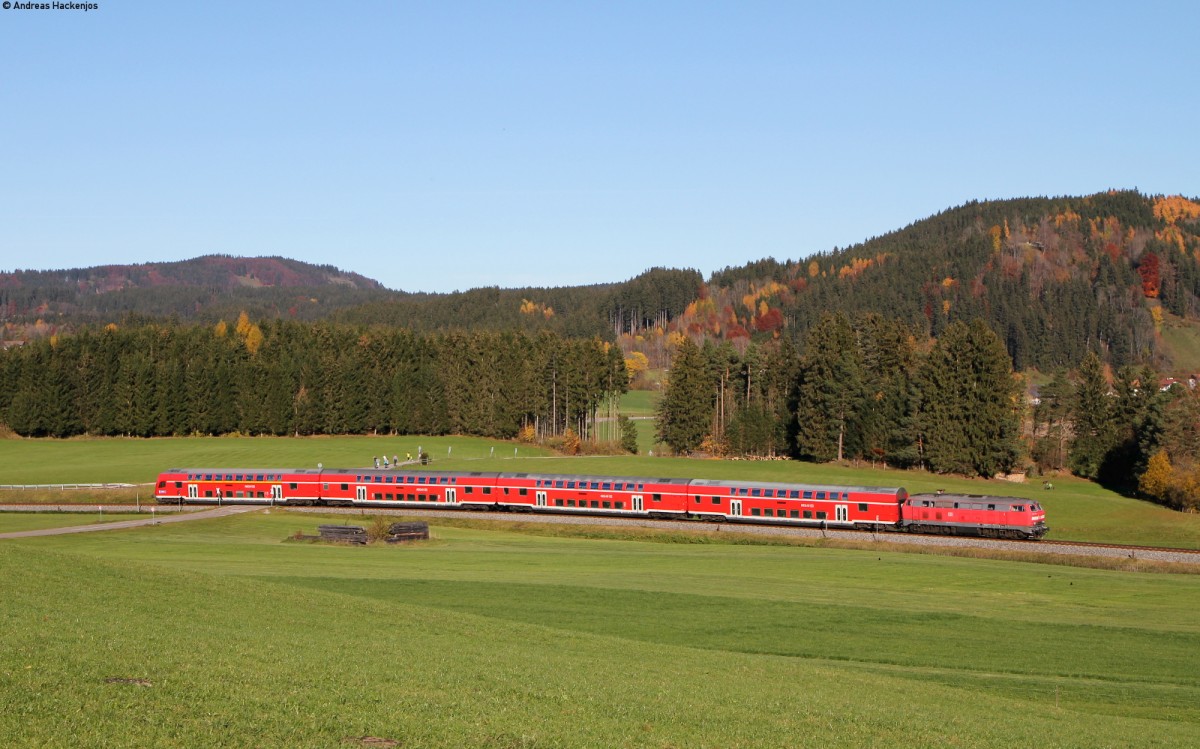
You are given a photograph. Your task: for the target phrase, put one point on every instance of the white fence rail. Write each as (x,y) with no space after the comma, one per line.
(65,487)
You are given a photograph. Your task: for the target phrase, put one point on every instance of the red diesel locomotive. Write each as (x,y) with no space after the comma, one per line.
(859,507)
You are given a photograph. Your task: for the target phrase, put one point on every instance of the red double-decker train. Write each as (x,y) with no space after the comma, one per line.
(858,507)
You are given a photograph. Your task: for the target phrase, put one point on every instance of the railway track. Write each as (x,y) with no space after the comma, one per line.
(1079,548)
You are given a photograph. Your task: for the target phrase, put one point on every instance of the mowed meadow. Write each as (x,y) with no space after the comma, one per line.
(226,632)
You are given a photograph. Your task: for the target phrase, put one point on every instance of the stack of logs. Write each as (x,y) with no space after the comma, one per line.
(415,531)
(356,534)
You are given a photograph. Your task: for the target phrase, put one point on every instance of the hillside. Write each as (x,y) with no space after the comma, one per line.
(204,288)
(1055,277)
(1117,273)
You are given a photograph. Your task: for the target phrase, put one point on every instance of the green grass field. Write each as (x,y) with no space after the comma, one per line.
(12,522)
(1076,509)
(223,633)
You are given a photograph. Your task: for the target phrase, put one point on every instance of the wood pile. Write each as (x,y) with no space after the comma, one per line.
(356,534)
(401,532)
(346,534)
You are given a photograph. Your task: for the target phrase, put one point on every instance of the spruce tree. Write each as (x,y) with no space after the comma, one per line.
(1091,412)
(831,395)
(969,417)
(686,409)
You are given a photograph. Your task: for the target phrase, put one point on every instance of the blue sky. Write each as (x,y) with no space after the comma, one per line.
(437,146)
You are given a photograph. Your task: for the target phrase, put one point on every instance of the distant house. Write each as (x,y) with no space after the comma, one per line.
(1167,383)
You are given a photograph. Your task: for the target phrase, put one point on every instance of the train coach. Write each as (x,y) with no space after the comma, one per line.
(777,503)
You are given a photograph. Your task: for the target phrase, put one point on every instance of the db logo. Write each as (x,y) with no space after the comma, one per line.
(7,5)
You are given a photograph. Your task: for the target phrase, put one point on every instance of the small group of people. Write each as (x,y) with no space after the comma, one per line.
(395,461)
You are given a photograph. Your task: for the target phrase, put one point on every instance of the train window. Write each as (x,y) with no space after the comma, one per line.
(1019,508)
(795,494)
(656,497)
(808,514)
(992,507)
(558,503)
(619,505)
(470,489)
(523,492)
(208,493)
(292,485)
(570,503)
(755,511)
(820,495)
(742,492)
(595,503)
(325,487)
(595,484)
(558,484)
(487,490)
(794,514)
(606,485)
(716,500)
(412,497)
(808,495)
(607,505)
(862,506)
(570,484)
(769,512)
(820,515)
(756,492)
(641,486)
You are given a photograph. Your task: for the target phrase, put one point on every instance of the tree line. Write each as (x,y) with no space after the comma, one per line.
(287,377)
(871,389)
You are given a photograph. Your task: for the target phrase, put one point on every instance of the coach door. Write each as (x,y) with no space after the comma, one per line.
(361,493)
(541,499)
(735,507)
(842,513)
(193,491)
(637,502)
(450,493)
(276,493)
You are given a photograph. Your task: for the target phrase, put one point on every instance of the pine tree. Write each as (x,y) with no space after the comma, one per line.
(686,409)
(969,417)
(1091,414)
(831,395)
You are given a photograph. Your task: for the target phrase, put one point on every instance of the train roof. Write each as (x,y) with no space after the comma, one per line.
(802,487)
(945,499)
(598,478)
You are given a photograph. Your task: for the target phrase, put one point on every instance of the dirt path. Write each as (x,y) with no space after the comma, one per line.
(217,512)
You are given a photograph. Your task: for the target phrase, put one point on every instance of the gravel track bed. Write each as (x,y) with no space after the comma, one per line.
(1045,547)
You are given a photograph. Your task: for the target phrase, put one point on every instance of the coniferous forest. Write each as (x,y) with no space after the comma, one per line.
(916,349)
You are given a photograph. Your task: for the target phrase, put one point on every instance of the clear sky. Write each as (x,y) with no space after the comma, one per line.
(444,145)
